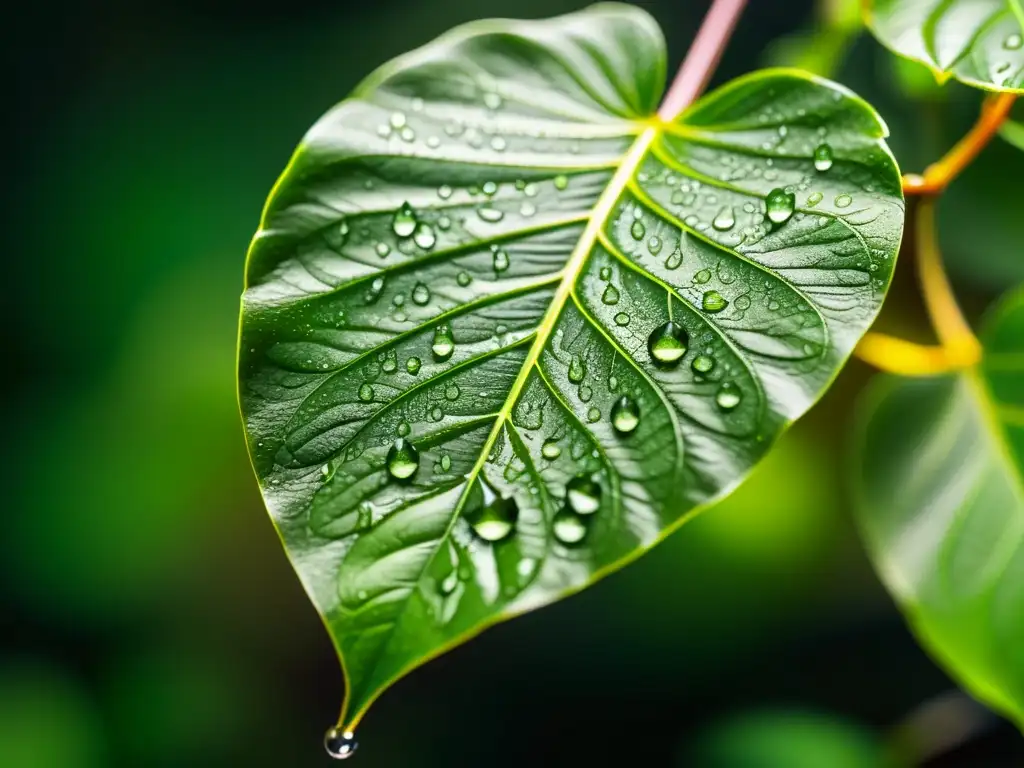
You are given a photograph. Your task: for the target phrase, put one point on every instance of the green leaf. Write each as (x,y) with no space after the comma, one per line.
(941,500)
(979,42)
(1013,132)
(476,255)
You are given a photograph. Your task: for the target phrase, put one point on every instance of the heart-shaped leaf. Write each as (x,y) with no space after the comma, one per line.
(941,500)
(979,42)
(504,329)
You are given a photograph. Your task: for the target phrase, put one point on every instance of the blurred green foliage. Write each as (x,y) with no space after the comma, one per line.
(152,618)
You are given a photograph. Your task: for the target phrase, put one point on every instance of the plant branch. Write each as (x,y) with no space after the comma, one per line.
(938,175)
(702,58)
(905,358)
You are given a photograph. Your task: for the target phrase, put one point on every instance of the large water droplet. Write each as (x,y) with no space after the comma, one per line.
(340,744)
(577,369)
(583,494)
(728,396)
(568,527)
(725,220)
(610,295)
(823,158)
(420,294)
(496,517)
(779,205)
(404,223)
(424,237)
(625,415)
(667,344)
(403,459)
(638,230)
(444,342)
(713,301)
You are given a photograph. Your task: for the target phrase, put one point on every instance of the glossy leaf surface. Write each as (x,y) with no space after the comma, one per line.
(979,42)
(941,479)
(503,329)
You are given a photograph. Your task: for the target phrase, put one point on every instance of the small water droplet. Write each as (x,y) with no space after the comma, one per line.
(496,517)
(622,319)
(397,120)
(593,415)
(404,223)
(420,294)
(444,223)
(713,301)
(463,278)
(561,181)
(814,198)
(654,245)
(490,188)
(383,249)
(568,527)
(374,291)
(551,449)
(843,201)
(403,459)
(424,237)
(490,215)
(577,369)
(728,396)
(492,100)
(667,344)
(444,342)
(500,260)
(452,392)
(412,365)
(1013,42)
(725,220)
(674,260)
(446,462)
(340,745)
(605,273)
(407,134)
(703,364)
(779,205)
(583,494)
(702,277)
(823,158)
(638,230)
(444,191)
(610,295)
(403,428)
(625,415)
(365,392)
(527,209)
(498,144)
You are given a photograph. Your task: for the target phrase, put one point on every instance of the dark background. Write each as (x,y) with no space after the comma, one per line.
(150,616)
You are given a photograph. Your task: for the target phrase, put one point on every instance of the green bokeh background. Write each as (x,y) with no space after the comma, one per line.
(150,615)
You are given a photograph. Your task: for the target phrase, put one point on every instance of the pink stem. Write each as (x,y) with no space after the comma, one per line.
(702,58)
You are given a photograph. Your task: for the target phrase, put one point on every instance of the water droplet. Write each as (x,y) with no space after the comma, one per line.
(625,415)
(593,415)
(606,273)
(495,518)
(444,342)
(424,237)
(813,199)
(585,393)
(728,396)
(638,230)
(500,260)
(403,428)
(779,205)
(561,181)
(551,449)
(527,209)
(404,223)
(498,144)
(610,295)
(583,494)
(843,201)
(492,100)
(702,277)
(436,414)
(742,302)
(412,365)
(433,142)
(654,245)
(463,278)
(365,392)
(444,191)
(568,527)
(397,120)
(667,344)
(490,188)
(444,223)
(403,459)
(725,220)
(407,134)
(446,462)
(823,158)
(1013,42)
(374,291)
(577,369)
(489,214)
(383,249)
(713,301)
(703,364)
(674,260)
(452,392)
(622,319)
(420,294)
(340,745)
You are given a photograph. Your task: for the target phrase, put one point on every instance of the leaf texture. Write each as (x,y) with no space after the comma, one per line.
(503,329)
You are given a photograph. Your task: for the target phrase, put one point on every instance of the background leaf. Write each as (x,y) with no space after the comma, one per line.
(942,506)
(979,42)
(502,331)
